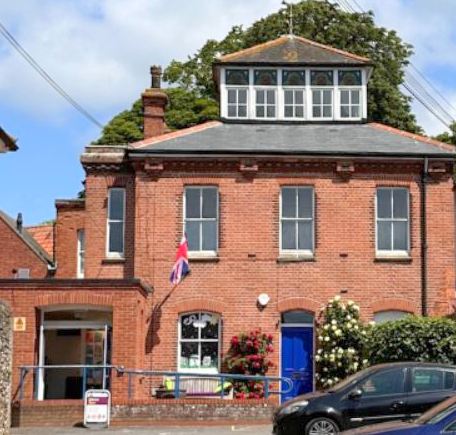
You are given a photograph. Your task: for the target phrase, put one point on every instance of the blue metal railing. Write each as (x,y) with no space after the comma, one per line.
(107,370)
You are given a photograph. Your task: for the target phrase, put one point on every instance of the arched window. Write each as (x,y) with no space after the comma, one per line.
(389,315)
(199,342)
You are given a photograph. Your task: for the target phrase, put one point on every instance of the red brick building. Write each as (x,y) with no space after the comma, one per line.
(293,195)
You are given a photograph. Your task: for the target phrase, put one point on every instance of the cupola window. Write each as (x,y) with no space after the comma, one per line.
(293,78)
(350,78)
(237,77)
(321,78)
(265,77)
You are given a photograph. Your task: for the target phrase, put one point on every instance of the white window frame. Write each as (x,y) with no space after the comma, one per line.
(109,221)
(237,88)
(80,259)
(202,253)
(350,105)
(265,105)
(322,105)
(294,89)
(199,340)
(383,253)
(307,253)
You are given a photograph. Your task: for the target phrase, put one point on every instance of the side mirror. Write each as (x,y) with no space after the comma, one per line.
(355,394)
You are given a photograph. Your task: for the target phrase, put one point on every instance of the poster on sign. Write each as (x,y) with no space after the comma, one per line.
(97,408)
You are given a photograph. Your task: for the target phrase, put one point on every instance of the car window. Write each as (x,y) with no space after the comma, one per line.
(384,383)
(451,427)
(431,380)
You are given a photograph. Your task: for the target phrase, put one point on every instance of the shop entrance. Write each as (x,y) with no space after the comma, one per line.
(76,336)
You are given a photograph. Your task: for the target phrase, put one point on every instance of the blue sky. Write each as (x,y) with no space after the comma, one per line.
(100,51)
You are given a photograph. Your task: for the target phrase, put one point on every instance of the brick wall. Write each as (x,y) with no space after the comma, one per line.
(15,254)
(6,350)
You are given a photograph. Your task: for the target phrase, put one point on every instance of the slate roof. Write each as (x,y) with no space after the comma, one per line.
(291,49)
(44,235)
(27,238)
(368,139)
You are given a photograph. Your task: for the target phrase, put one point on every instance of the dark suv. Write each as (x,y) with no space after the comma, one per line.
(374,395)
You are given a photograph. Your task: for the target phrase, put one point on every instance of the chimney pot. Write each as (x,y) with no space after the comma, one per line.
(156,73)
(19,222)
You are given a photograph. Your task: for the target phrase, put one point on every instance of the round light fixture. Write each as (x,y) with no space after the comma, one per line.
(263,299)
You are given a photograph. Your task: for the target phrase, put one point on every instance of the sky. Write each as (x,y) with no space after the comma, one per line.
(100,52)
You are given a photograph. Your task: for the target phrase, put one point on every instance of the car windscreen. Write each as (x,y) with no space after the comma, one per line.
(348,381)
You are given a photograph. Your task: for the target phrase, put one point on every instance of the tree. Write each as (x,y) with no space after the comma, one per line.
(318,20)
(448,137)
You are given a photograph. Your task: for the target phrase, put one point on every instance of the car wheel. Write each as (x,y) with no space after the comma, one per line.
(321,426)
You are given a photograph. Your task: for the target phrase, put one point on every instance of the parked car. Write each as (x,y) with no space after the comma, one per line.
(441,419)
(396,391)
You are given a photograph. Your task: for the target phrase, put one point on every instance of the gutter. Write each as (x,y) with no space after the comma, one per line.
(424,246)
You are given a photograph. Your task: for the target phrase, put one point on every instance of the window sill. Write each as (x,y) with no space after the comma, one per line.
(203,257)
(395,258)
(113,260)
(295,258)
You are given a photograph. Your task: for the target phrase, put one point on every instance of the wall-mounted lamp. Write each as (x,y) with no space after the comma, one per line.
(263,299)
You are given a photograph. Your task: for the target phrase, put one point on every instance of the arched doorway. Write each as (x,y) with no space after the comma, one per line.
(297,349)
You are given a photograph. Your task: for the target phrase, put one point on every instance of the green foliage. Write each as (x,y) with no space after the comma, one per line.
(326,23)
(341,342)
(448,137)
(426,339)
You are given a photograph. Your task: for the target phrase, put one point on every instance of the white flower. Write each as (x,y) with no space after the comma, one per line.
(340,350)
(351,350)
(354,321)
(355,307)
(320,351)
(372,323)
(337,298)
(365,361)
(333,322)
(326,338)
(320,338)
(336,379)
(332,358)
(350,303)
(317,358)
(339,364)
(323,380)
(355,365)
(326,327)
(348,317)
(330,382)
(348,325)
(356,327)
(338,332)
(333,327)
(363,332)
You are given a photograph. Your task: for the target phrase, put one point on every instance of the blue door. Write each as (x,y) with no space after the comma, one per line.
(297,359)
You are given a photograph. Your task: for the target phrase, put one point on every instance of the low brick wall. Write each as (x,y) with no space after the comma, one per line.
(5,368)
(166,411)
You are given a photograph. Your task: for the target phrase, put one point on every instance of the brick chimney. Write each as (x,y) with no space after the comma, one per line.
(154,102)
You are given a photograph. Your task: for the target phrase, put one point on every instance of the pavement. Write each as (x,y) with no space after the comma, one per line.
(171,430)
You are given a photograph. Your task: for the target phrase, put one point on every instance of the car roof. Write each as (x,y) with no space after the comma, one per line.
(412,364)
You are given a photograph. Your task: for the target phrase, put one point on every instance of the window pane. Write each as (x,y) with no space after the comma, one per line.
(288,202)
(305,239)
(355,112)
(242,111)
(232,111)
(192,203)
(237,77)
(305,199)
(116,204)
(211,328)
(400,203)
(316,112)
(389,316)
(288,235)
(271,111)
(385,383)
(449,380)
(384,236)
(293,78)
(427,380)
(116,237)
(321,78)
(327,111)
(327,97)
(231,96)
(209,355)
(260,112)
(316,96)
(400,236)
(271,97)
(299,112)
(288,97)
(384,203)
(265,77)
(189,355)
(289,111)
(344,97)
(188,330)
(299,97)
(260,97)
(355,97)
(344,112)
(350,78)
(242,96)
(209,236)
(192,229)
(209,203)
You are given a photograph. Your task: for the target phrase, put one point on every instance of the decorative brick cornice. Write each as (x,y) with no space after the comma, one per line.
(199,304)
(394,304)
(299,303)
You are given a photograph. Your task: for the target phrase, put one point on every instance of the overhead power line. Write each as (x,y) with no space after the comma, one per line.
(34,64)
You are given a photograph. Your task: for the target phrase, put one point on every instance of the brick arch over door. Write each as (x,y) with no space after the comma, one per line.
(394,304)
(199,304)
(304,304)
(74,298)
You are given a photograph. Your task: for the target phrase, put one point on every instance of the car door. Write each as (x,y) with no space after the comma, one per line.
(429,386)
(378,398)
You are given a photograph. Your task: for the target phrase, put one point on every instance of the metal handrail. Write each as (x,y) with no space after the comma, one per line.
(266,380)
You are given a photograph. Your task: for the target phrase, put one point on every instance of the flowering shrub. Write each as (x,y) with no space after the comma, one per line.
(341,342)
(248,355)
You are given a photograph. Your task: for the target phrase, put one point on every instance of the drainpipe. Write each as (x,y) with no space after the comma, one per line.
(424,179)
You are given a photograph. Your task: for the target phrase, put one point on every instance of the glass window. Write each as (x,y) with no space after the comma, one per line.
(265,103)
(201,218)
(321,78)
(116,221)
(297,219)
(199,341)
(388,316)
(350,77)
(293,77)
(237,102)
(384,383)
(297,316)
(322,104)
(392,219)
(425,379)
(80,253)
(237,77)
(265,77)
(350,103)
(294,103)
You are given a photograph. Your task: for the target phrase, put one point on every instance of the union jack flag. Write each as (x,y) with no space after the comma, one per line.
(181,268)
